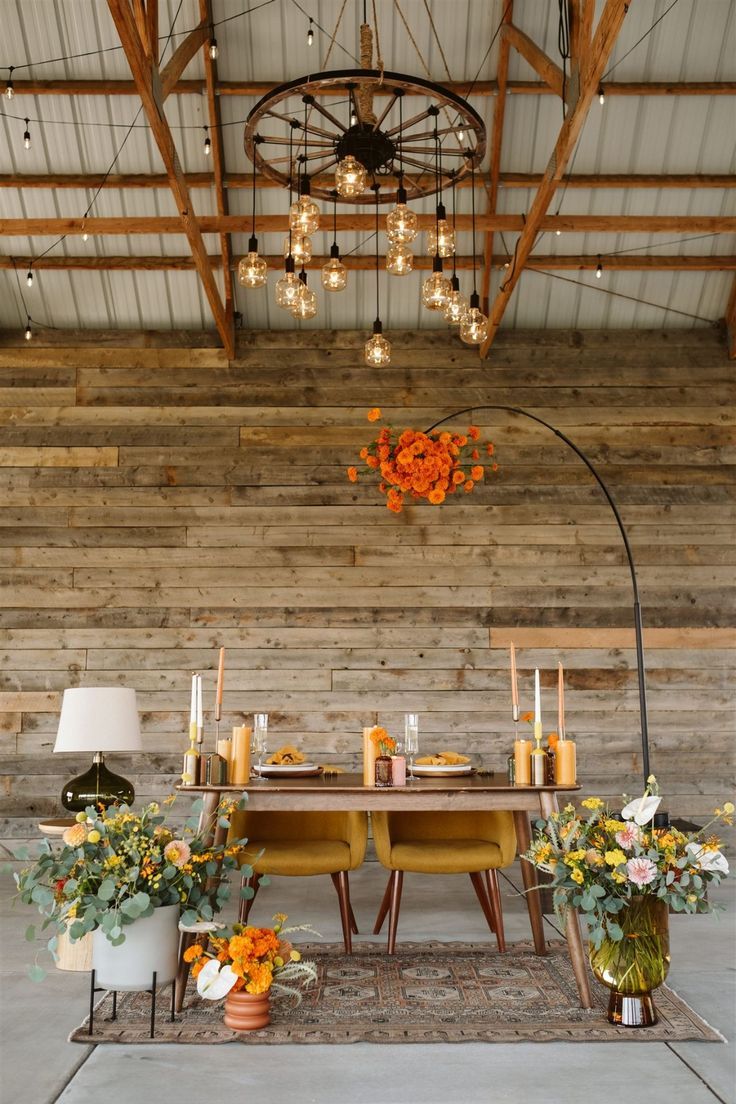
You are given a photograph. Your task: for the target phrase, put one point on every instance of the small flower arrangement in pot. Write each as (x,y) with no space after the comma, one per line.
(244,965)
(385,746)
(118,868)
(623,873)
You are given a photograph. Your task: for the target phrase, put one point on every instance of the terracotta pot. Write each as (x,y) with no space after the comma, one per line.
(247,1011)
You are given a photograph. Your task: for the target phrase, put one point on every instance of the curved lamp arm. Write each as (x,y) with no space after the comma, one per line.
(627,546)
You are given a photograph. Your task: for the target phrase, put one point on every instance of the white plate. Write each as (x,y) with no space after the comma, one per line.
(430,769)
(293,769)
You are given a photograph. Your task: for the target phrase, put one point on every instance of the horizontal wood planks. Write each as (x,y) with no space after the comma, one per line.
(158,501)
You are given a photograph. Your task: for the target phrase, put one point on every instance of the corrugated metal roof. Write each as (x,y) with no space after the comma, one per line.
(696,41)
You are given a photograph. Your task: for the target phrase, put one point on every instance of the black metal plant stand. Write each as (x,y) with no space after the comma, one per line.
(102,989)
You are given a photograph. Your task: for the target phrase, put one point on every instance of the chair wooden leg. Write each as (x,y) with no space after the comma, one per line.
(385,906)
(396,883)
(246,903)
(335,882)
(480,892)
(343,894)
(494,896)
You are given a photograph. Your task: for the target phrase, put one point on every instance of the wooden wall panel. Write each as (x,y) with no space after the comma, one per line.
(159,501)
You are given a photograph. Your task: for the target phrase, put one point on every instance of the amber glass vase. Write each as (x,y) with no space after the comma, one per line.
(383,770)
(635,965)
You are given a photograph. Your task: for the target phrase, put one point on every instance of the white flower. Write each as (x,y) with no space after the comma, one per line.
(214,983)
(707,859)
(641,809)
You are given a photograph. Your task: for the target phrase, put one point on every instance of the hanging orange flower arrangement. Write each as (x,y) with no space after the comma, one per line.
(424,465)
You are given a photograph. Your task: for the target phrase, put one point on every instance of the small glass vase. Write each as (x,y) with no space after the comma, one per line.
(383,770)
(635,965)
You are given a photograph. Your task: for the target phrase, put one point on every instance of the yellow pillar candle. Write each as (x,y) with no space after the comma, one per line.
(522,762)
(225,749)
(240,756)
(369,758)
(565,768)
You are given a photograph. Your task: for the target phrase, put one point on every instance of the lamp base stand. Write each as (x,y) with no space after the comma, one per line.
(97,786)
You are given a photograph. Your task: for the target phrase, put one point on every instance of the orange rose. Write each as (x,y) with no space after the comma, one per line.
(353,475)
(476,473)
(374,414)
(436,496)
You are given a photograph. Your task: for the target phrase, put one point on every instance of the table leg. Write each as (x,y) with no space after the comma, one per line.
(529,875)
(577,957)
(209,828)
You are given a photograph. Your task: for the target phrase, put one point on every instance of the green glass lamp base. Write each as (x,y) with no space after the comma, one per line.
(97,786)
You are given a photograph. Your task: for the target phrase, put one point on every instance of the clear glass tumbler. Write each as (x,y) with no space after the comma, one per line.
(259,744)
(411,738)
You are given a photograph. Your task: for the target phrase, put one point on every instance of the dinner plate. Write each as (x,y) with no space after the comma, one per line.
(287,770)
(433,769)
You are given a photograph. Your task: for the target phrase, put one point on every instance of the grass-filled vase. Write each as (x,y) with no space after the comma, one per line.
(635,965)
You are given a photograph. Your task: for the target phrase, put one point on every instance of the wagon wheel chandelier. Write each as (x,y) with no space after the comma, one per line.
(342,136)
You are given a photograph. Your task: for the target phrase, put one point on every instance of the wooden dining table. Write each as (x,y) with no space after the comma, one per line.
(477,792)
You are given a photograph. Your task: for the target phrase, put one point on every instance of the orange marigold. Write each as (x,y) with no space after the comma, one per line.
(476,472)
(372,461)
(395,504)
(494,467)
(469,486)
(473,433)
(436,496)
(353,475)
(374,414)
(489,449)
(475,455)
(195,951)
(458,476)
(363,453)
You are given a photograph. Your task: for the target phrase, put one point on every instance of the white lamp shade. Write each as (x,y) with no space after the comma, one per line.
(98,718)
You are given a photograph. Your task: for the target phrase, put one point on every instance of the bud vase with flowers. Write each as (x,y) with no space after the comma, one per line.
(385,746)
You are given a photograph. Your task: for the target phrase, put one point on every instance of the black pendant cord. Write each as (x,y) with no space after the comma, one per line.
(439,192)
(629,555)
(378,312)
(472,220)
(334,220)
(253,225)
(454,213)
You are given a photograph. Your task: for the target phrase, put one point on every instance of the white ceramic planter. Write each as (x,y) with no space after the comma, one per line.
(151,944)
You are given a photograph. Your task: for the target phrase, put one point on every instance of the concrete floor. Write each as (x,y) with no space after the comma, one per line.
(40,1067)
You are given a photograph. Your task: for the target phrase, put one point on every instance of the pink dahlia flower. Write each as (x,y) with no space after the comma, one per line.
(628,836)
(641,871)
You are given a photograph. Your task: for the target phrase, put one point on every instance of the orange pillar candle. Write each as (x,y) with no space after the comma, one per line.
(369,758)
(240,760)
(523,762)
(565,767)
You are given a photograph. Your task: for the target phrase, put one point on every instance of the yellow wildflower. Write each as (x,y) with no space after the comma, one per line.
(574,856)
(618,876)
(692,897)
(577,876)
(615,858)
(592,803)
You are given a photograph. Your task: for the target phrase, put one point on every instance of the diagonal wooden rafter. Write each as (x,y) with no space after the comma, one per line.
(148,83)
(218,156)
(593,66)
(547,69)
(730,321)
(499,111)
(179,60)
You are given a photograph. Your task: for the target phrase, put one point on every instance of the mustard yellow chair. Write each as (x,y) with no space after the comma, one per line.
(477,844)
(297,845)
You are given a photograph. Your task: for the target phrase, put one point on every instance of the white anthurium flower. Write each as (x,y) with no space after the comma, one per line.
(641,809)
(214,983)
(706,859)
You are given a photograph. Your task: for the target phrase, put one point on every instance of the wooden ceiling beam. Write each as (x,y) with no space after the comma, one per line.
(602,43)
(554,262)
(245,180)
(152,28)
(730,320)
(181,57)
(494,174)
(272,224)
(550,72)
(195,87)
(148,83)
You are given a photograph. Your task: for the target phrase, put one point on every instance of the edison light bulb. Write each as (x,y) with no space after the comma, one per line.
(474,324)
(305,306)
(401,222)
(252,269)
(304,215)
(436,290)
(334,273)
(457,304)
(288,288)
(399,259)
(350,177)
(441,239)
(377,349)
(300,247)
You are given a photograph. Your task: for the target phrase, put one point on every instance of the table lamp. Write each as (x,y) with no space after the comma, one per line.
(97,719)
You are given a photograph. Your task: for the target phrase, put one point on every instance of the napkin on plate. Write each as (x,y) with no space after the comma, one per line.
(286,755)
(443,759)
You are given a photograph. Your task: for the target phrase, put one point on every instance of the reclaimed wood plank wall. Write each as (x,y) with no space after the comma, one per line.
(158,501)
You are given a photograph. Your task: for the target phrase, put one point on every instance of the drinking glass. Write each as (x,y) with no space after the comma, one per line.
(259,742)
(411,737)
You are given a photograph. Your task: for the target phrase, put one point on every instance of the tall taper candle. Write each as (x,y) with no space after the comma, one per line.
(560,702)
(514,686)
(200,713)
(220,685)
(193,711)
(537,707)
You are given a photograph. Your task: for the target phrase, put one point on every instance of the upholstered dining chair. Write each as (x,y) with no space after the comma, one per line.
(297,845)
(478,844)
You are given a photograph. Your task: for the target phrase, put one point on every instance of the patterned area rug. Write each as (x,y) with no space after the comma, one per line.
(426,993)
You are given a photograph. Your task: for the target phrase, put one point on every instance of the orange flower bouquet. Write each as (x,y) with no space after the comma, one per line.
(253,960)
(423,465)
(384,744)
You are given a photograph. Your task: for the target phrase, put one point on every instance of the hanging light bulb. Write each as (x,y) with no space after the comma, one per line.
(401,222)
(457,304)
(85,235)
(310,33)
(399,259)
(27,136)
(9,90)
(441,237)
(601,95)
(304,214)
(214,52)
(288,288)
(350,177)
(300,247)
(334,272)
(557,233)
(436,289)
(377,348)
(305,306)
(599,270)
(29,331)
(473,324)
(252,269)
(29,278)
(461,136)
(353,117)
(207,141)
